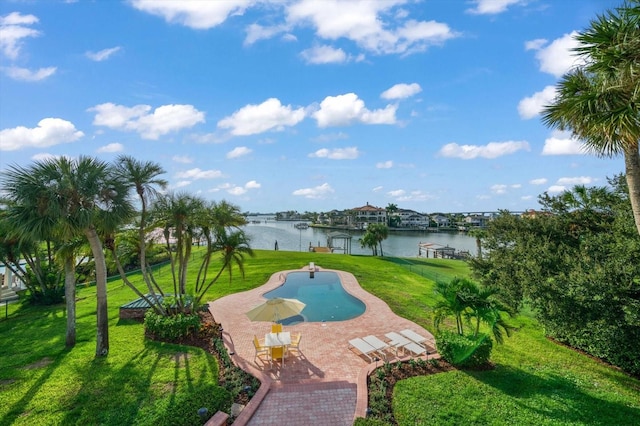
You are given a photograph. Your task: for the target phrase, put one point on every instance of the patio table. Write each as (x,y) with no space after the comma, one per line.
(277,341)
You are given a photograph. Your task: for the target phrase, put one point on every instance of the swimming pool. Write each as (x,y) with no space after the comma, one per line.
(324,296)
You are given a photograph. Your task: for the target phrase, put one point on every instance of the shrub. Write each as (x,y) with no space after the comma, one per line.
(464,351)
(172,326)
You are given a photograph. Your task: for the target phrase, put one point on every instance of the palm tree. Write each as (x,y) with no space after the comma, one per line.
(233,246)
(391,218)
(143,177)
(599,101)
(178,214)
(75,197)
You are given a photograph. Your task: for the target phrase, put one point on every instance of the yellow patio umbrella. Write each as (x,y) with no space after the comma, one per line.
(276,309)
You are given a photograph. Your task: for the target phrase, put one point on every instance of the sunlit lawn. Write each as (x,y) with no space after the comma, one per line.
(141,382)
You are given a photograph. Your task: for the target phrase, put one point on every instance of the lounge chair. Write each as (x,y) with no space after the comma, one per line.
(378,344)
(260,349)
(399,341)
(412,335)
(363,347)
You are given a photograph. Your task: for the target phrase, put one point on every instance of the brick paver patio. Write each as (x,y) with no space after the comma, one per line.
(326,383)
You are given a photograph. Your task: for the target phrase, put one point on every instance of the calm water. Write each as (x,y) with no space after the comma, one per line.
(324,296)
(265,234)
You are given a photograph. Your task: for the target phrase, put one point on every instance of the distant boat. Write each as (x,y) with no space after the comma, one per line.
(301,225)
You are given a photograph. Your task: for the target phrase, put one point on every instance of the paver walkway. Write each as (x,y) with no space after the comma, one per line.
(322,382)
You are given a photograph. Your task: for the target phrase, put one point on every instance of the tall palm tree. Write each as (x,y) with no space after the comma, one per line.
(599,101)
(144,178)
(233,246)
(75,197)
(178,214)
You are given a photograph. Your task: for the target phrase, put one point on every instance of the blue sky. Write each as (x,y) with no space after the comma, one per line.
(307,105)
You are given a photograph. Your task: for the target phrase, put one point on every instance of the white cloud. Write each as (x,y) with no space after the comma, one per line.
(43,156)
(377,189)
(112,147)
(239,152)
(556,188)
(369,24)
(236,190)
(562,143)
(252,184)
(194,14)
(344,109)
(103,54)
(50,131)
(397,193)
(13,29)
(25,74)
(183,159)
(538,181)
(350,153)
(181,183)
(314,193)
(492,7)
(385,165)
(257,32)
(535,44)
(491,150)
(324,55)
(557,57)
(532,106)
(269,115)
(199,174)
(149,125)
(401,91)
(403,196)
(499,189)
(577,180)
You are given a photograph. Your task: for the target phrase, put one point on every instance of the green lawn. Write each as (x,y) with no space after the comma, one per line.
(149,383)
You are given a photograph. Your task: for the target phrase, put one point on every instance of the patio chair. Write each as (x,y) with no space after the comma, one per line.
(399,341)
(364,348)
(261,350)
(417,338)
(276,328)
(295,342)
(380,346)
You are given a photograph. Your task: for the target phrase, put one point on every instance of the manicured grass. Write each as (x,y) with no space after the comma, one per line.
(141,382)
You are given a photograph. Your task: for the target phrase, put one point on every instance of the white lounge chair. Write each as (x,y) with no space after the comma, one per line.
(399,341)
(363,347)
(412,335)
(378,344)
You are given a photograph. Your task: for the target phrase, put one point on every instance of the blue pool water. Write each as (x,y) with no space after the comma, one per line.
(324,296)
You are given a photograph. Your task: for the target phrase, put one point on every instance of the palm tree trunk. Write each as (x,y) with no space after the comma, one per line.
(102,316)
(70,299)
(632,171)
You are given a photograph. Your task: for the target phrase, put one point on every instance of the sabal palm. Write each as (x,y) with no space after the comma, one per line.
(144,178)
(75,197)
(233,246)
(178,215)
(599,101)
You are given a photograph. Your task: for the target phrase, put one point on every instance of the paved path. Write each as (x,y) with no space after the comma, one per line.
(326,384)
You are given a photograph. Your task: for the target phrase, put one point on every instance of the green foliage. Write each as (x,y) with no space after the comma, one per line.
(578,264)
(464,351)
(171,326)
(50,290)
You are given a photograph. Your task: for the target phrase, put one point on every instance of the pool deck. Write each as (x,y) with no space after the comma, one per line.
(327,382)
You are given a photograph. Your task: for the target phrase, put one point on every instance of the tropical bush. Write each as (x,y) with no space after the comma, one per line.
(577,264)
(172,326)
(464,350)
